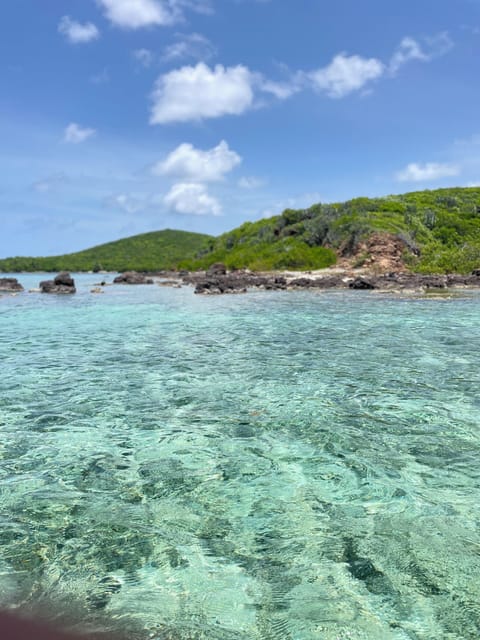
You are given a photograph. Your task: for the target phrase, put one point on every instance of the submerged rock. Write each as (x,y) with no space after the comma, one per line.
(62,283)
(10,284)
(132,277)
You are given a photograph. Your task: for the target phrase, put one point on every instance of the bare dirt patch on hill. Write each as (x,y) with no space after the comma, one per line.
(380,253)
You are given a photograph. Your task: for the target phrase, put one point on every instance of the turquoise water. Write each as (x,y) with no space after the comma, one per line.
(277,465)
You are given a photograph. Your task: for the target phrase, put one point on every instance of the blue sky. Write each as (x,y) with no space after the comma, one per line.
(124,116)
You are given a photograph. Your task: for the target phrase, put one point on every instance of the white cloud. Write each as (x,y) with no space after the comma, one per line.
(188,163)
(77,33)
(281,90)
(135,14)
(192,199)
(126,202)
(195,93)
(250,182)
(345,74)
(193,45)
(143,57)
(75,134)
(409,49)
(430,171)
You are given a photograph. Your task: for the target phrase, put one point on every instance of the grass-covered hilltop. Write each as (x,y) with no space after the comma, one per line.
(146,252)
(426,231)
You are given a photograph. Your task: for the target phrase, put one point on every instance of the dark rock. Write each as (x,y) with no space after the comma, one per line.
(275,283)
(330,282)
(217,269)
(327,282)
(65,279)
(220,285)
(433,282)
(240,281)
(10,284)
(63,283)
(476,272)
(361,283)
(454,279)
(302,283)
(132,277)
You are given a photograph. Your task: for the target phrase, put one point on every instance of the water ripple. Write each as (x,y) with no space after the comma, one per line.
(277,466)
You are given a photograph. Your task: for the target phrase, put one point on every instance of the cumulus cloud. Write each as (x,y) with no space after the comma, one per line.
(143,56)
(190,198)
(135,14)
(192,45)
(78,33)
(345,74)
(188,163)
(430,171)
(75,134)
(195,93)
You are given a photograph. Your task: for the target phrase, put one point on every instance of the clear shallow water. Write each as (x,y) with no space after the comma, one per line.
(288,466)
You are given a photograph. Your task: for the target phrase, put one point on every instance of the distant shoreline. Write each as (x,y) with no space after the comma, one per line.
(218,281)
(331,278)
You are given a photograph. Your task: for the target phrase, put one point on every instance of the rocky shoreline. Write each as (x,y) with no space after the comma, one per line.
(218,281)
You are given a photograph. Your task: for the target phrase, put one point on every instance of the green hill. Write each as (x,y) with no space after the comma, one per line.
(146,252)
(440,232)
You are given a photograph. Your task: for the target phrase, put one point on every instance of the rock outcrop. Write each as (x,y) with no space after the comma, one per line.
(361,283)
(62,283)
(217,269)
(132,277)
(325,282)
(241,281)
(10,285)
(234,282)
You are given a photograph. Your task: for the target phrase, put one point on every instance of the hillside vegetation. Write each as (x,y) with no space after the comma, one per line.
(440,232)
(146,252)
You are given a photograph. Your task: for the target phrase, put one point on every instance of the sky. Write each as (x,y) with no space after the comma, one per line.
(119,117)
